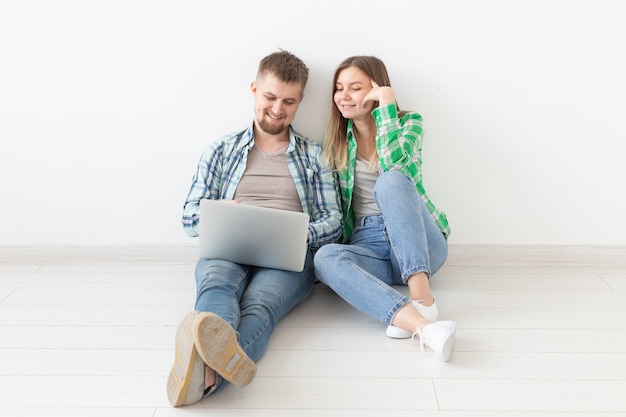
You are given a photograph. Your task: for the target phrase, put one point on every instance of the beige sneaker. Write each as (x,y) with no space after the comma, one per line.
(185,384)
(217,344)
(430,313)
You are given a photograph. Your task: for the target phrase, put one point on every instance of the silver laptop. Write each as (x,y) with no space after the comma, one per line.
(253,235)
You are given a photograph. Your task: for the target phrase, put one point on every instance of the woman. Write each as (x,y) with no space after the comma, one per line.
(393,234)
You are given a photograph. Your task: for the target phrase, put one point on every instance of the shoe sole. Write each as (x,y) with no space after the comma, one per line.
(188,369)
(395,332)
(217,344)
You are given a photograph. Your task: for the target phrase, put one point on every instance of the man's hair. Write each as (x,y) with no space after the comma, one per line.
(286,67)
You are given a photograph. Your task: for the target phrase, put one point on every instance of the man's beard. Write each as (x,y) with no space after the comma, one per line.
(271,129)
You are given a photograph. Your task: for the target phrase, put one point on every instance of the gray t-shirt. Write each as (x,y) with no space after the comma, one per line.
(363,193)
(267,182)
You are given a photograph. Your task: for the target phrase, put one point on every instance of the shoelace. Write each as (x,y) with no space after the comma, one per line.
(423,342)
(419,334)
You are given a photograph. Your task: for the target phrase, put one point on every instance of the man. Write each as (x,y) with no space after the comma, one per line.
(237,306)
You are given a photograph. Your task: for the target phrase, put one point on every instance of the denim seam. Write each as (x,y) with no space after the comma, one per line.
(273,311)
(401,301)
(236,288)
(411,271)
(395,310)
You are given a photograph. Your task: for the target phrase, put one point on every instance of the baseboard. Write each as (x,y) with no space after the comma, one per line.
(535,255)
(459,255)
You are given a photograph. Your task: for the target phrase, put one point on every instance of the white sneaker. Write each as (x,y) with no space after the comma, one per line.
(430,313)
(437,338)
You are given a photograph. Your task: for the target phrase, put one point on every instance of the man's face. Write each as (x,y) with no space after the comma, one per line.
(275,103)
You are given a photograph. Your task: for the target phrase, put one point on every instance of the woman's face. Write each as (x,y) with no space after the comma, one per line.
(351,87)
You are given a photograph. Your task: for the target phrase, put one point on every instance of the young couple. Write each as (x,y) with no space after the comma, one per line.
(363,188)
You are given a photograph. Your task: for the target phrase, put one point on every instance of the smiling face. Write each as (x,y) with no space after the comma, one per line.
(276,103)
(351,86)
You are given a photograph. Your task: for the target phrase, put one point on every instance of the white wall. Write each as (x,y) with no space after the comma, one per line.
(105,107)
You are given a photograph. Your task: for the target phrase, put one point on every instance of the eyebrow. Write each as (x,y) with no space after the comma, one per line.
(272,95)
(352,83)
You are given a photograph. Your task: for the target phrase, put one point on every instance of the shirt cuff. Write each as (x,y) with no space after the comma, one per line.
(385,114)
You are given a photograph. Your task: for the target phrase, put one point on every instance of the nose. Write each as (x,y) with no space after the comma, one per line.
(277,107)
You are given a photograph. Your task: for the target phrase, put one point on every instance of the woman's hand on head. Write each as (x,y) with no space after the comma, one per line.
(383,95)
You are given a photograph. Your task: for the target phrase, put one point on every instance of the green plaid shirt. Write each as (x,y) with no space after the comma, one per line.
(399,145)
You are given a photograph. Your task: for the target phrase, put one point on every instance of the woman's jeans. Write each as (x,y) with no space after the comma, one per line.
(251,299)
(384,250)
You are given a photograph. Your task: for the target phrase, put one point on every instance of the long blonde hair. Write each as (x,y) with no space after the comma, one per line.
(335,142)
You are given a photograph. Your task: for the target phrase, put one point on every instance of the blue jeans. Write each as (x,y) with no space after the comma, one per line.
(384,250)
(251,299)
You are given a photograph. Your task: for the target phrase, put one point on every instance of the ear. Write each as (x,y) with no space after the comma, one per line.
(253,87)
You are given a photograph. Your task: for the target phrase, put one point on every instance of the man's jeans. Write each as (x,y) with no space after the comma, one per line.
(251,299)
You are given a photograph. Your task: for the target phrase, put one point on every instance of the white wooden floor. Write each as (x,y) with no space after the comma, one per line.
(89,332)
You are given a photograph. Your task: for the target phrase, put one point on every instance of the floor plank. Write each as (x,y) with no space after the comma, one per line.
(541,333)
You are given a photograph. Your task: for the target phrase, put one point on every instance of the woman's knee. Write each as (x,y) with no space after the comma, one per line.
(324,259)
(392,179)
